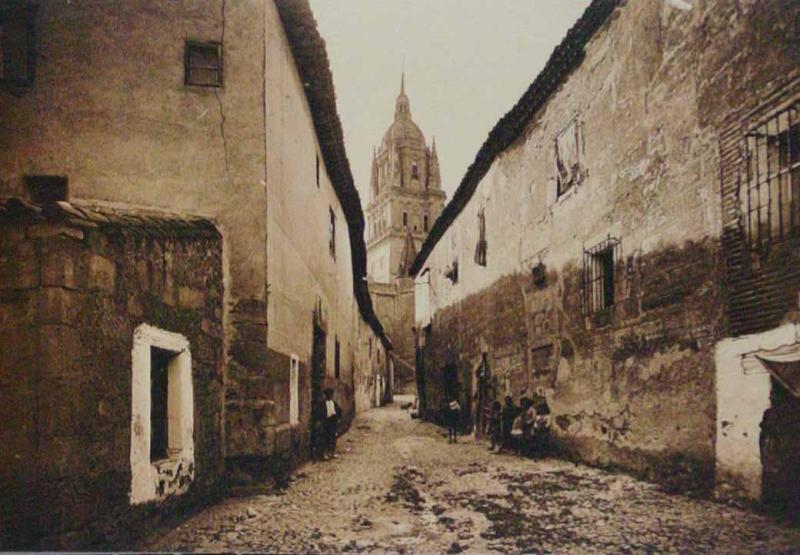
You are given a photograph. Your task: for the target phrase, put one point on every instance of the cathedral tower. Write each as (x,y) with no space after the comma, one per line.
(405,195)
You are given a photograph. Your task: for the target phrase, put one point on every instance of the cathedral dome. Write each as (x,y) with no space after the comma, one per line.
(403,129)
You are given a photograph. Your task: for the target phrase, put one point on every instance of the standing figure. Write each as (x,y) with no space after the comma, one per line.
(541,426)
(332,414)
(453,418)
(507,416)
(495,426)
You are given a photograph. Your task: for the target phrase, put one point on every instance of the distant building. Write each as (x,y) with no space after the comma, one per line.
(405,199)
(182,264)
(626,242)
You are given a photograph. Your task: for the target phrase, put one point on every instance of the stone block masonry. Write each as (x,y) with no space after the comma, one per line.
(71,297)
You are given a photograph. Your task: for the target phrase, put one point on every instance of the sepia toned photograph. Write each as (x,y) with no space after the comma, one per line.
(400,276)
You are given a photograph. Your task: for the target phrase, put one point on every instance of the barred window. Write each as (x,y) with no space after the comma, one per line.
(769,178)
(203,64)
(598,276)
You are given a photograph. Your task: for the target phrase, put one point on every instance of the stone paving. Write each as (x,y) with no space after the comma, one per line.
(398,486)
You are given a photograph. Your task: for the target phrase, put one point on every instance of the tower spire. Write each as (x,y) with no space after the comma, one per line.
(403,81)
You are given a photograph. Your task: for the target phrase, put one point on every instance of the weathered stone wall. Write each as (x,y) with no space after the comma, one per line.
(109,110)
(70,299)
(634,385)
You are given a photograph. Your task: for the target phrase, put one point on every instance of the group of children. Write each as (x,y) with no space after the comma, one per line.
(524,429)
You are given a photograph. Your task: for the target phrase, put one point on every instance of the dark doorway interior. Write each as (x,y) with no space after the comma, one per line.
(780,450)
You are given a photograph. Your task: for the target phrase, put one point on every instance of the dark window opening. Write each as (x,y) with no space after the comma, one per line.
(159,402)
(332,232)
(414,171)
(542,361)
(769,179)
(480,248)
(425,222)
(46,189)
(451,272)
(336,360)
(203,64)
(598,276)
(17,46)
(405,219)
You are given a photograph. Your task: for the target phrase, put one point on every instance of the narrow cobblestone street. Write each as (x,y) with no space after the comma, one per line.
(398,486)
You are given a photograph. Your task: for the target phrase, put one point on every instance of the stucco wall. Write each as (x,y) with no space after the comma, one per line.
(70,300)
(303,274)
(635,389)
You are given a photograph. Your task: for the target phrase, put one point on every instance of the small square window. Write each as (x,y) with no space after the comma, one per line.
(203,65)
(17,54)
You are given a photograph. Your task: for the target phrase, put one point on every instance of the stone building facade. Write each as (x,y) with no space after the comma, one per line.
(587,253)
(405,199)
(182,110)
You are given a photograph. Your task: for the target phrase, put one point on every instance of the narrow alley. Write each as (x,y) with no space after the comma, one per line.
(398,486)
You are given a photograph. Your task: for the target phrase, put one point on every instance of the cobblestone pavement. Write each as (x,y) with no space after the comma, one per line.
(398,486)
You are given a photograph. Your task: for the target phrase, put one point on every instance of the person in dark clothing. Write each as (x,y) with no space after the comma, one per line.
(317,424)
(453,419)
(507,417)
(541,426)
(332,413)
(495,427)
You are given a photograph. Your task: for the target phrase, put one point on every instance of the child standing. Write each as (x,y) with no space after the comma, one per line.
(453,418)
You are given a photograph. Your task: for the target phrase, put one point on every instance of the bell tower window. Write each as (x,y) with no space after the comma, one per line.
(414,171)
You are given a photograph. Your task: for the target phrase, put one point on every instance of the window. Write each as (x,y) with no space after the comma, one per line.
(414,170)
(598,276)
(317,170)
(480,248)
(451,272)
(542,361)
(203,64)
(425,222)
(159,396)
(294,390)
(336,360)
(162,415)
(569,150)
(332,232)
(47,189)
(17,54)
(769,179)
(405,219)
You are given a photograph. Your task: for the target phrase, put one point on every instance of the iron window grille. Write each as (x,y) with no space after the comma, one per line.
(17,46)
(769,179)
(203,64)
(598,276)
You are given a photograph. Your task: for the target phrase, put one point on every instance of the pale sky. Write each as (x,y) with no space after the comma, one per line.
(466,62)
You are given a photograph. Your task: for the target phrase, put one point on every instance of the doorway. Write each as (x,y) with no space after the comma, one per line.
(780,450)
